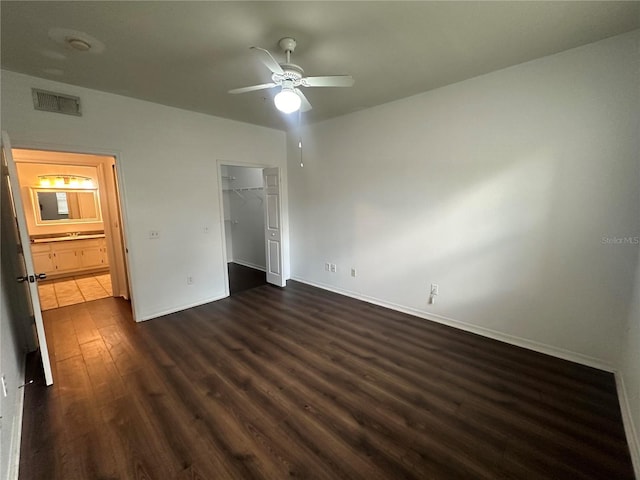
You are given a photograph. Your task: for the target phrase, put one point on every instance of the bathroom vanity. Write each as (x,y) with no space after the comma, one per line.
(70,255)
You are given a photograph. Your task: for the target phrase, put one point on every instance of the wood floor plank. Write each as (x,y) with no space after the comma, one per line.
(243,278)
(303,383)
(85,328)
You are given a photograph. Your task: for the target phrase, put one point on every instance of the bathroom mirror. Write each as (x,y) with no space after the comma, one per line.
(65,206)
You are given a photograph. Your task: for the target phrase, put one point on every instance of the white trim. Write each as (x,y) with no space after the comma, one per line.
(627,420)
(248,264)
(16,428)
(485,332)
(151,316)
(223,226)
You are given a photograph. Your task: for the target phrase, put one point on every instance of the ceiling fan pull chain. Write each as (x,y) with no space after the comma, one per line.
(300,136)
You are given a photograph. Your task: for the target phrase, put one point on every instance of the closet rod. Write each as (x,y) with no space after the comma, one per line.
(245,189)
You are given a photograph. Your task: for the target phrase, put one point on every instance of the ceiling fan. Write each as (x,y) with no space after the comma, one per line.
(288,77)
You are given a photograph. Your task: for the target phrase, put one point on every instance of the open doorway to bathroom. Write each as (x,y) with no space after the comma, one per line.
(74,223)
(243,202)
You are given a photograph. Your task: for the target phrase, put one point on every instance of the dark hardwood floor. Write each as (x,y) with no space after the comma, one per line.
(299,382)
(243,278)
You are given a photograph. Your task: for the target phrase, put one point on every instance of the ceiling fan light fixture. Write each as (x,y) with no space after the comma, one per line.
(287,101)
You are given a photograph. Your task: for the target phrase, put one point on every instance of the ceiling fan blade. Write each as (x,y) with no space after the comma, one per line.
(330,81)
(305,106)
(253,88)
(266,58)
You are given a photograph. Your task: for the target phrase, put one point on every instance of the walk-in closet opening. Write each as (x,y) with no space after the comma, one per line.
(243,201)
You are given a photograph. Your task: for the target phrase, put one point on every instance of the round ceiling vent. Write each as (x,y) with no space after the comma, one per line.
(78,44)
(76,40)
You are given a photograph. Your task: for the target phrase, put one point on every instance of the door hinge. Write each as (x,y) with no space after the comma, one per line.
(5,170)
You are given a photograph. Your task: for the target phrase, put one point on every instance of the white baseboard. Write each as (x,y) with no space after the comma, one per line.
(151,316)
(16,427)
(249,264)
(485,332)
(627,420)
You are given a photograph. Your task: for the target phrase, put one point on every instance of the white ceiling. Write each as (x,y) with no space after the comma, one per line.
(189,54)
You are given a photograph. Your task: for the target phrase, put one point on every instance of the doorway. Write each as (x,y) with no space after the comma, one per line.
(243,206)
(72,208)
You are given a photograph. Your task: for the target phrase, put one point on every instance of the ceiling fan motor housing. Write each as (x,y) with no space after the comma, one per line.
(292,75)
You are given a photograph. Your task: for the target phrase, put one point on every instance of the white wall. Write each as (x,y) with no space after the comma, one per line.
(167,163)
(12,363)
(499,188)
(247,216)
(14,321)
(629,373)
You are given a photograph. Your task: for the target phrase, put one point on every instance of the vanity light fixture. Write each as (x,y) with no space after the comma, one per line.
(64,181)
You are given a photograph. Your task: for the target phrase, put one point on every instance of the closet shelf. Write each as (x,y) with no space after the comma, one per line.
(246,189)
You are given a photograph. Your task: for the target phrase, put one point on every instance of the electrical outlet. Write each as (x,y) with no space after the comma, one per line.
(334,268)
(434,289)
(354,272)
(154,234)
(327,267)
(189,280)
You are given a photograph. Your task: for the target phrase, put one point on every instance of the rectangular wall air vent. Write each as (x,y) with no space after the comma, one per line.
(55,102)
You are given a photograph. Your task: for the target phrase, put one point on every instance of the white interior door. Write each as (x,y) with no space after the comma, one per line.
(273,226)
(28,277)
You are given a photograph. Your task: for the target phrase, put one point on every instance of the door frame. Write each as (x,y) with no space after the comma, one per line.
(285,231)
(119,193)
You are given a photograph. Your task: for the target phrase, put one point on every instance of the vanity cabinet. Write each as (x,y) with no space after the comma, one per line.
(93,256)
(65,259)
(42,258)
(60,258)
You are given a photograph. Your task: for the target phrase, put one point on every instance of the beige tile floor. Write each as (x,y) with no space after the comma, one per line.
(72,290)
